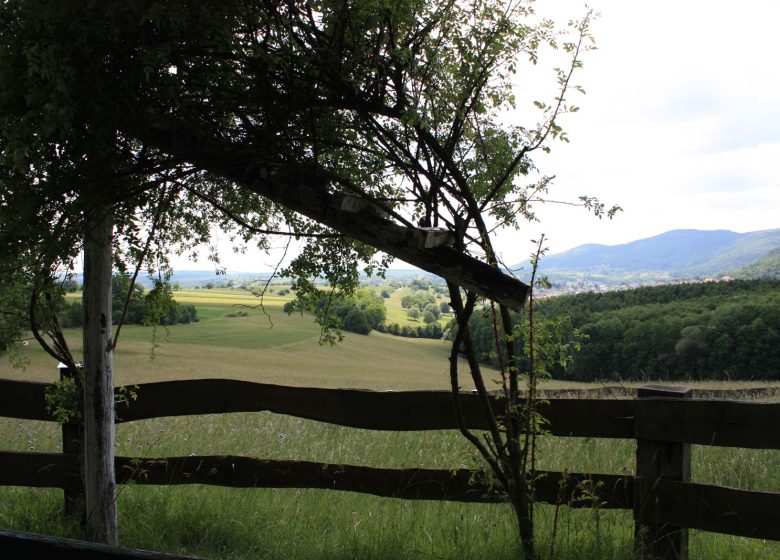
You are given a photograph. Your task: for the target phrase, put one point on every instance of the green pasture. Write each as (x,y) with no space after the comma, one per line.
(264,345)
(265,523)
(397,314)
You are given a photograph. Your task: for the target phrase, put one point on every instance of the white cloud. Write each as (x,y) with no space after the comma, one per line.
(679,126)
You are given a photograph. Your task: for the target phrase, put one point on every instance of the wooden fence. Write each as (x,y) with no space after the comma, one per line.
(663,421)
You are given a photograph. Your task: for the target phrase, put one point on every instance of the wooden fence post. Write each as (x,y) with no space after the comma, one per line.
(72,442)
(656,460)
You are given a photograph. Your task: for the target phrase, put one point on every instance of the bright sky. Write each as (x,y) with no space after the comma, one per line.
(680,126)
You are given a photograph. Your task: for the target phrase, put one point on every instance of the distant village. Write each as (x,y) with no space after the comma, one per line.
(582,286)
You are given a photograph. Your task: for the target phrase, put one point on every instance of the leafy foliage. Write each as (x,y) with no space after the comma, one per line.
(63,400)
(766,267)
(254,118)
(712,330)
(429,330)
(155,307)
(360,313)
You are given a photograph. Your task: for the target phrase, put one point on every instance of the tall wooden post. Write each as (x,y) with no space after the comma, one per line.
(72,442)
(658,460)
(98,375)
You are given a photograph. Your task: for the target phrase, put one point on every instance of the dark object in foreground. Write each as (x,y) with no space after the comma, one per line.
(31,545)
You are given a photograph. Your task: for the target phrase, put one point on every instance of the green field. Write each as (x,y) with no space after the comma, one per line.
(397,314)
(266,346)
(239,523)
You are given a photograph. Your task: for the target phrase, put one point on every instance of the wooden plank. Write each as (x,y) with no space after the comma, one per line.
(705,422)
(16,544)
(57,470)
(395,411)
(23,399)
(73,442)
(461,485)
(39,470)
(247,472)
(660,460)
(601,418)
(713,508)
(710,422)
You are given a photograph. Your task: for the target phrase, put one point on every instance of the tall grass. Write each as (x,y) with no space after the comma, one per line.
(288,523)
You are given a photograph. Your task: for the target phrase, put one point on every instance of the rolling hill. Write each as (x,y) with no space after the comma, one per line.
(676,254)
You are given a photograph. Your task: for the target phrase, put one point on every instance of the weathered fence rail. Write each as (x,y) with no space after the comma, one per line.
(354,408)
(60,470)
(664,500)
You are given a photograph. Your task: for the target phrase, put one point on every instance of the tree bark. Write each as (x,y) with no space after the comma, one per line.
(100,485)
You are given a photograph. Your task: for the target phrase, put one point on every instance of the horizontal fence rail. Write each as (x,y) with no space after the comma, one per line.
(355,408)
(713,508)
(657,420)
(59,470)
(709,422)
(703,422)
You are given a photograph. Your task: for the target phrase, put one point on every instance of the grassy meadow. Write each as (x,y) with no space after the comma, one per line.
(265,523)
(397,314)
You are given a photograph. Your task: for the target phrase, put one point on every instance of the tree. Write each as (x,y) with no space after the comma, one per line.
(70,286)
(98,381)
(127,300)
(357,322)
(434,310)
(363,127)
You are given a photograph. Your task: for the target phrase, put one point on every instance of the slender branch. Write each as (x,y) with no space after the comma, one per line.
(463,314)
(541,136)
(244,224)
(36,332)
(161,205)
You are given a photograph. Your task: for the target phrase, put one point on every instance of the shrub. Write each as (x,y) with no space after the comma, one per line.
(356,321)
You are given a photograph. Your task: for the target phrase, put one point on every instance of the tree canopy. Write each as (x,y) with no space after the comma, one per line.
(375,129)
(355,123)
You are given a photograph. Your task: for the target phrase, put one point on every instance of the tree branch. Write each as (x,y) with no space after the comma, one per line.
(304,188)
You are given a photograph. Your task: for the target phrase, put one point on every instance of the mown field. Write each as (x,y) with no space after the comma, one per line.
(239,523)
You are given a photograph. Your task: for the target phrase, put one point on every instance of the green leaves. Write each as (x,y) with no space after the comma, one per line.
(63,400)
(592,204)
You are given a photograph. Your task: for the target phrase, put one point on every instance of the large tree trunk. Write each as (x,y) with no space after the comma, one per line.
(100,484)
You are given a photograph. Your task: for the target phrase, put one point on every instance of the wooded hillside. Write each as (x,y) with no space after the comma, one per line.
(716,330)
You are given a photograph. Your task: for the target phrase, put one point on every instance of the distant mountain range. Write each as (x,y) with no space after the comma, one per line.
(676,254)
(681,254)
(203,278)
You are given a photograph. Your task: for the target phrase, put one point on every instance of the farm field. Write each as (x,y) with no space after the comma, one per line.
(239,523)
(266,346)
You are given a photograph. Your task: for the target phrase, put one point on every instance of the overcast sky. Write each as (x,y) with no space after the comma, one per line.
(680,126)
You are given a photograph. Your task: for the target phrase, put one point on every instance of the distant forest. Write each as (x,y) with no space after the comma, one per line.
(715,330)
